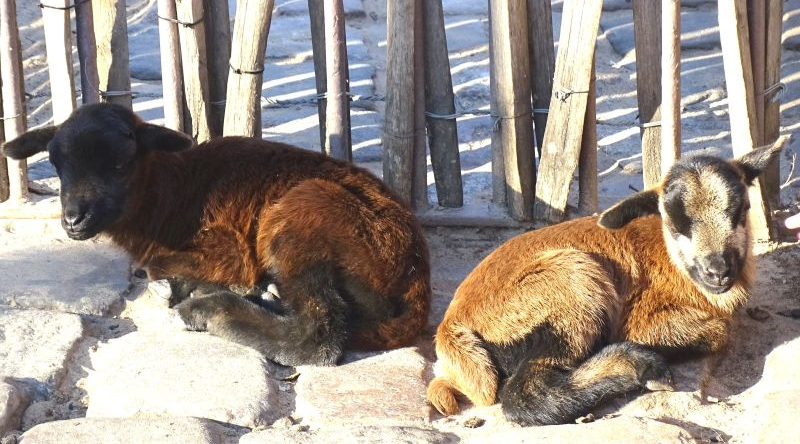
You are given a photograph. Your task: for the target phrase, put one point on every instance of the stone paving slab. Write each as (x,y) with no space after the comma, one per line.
(699,30)
(182,374)
(388,387)
(41,268)
(14,399)
(352,8)
(35,344)
(791,25)
(349,435)
(148,429)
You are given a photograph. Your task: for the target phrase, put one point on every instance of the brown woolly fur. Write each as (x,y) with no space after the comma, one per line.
(559,319)
(348,258)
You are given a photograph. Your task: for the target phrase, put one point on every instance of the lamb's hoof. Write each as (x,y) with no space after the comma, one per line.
(188,313)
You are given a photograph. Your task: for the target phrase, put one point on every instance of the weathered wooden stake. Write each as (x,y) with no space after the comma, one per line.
(498,163)
(171,71)
(113,66)
(316,11)
(192,37)
(58,43)
(587,162)
(543,62)
(250,31)
(512,103)
(337,111)
(87,52)
(13,111)
(770,180)
(647,29)
(399,125)
(733,30)
(439,99)
(3,163)
(670,83)
(564,132)
(218,42)
(419,185)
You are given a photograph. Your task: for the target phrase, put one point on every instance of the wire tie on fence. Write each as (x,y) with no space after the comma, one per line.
(107,94)
(564,94)
(219,103)
(777,88)
(63,8)
(541,110)
(241,71)
(496,119)
(650,124)
(3,118)
(182,23)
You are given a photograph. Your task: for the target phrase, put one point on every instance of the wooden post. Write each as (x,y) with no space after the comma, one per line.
(498,163)
(770,180)
(670,83)
(419,184)
(564,132)
(113,66)
(87,52)
(171,71)
(337,111)
(192,37)
(58,43)
(249,44)
(647,29)
(13,111)
(3,163)
(587,162)
(543,62)
(733,30)
(398,128)
(316,11)
(509,66)
(218,40)
(439,99)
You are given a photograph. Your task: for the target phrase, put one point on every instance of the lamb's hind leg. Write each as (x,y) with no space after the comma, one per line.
(306,325)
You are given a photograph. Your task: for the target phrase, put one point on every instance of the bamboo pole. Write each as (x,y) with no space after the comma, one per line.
(249,44)
(587,162)
(439,99)
(772,107)
(13,111)
(670,83)
(509,66)
(316,11)
(647,29)
(733,29)
(218,39)
(564,132)
(337,110)
(171,71)
(543,62)
(398,128)
(113,66)
(58,45)
(419,184)
(192,37)
(87,52)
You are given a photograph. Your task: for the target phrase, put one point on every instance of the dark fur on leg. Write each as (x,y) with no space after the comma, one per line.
(541,394)
(306,326)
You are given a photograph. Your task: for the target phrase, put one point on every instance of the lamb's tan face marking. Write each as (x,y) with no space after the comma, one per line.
(704,207)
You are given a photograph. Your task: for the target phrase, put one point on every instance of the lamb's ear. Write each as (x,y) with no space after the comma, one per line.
(30,143)
(640,204)
(154,137)
(754,162)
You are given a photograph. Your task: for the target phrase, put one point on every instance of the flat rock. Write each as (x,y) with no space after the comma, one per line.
(35,344)
(387,387)
(14,399)
(781,371)
(183,374)
(148,307)
(146,429)
(41,268)
(621,430)
(699,30)
(350,435)
(615,5)
(775,418)
(352,8)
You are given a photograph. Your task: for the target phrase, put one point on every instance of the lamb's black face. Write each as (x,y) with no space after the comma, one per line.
(704,208)
(94,155)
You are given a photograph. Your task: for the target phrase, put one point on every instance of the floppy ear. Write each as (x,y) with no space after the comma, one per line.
(754,162)
(640,204)
(30,143)
(154,137)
